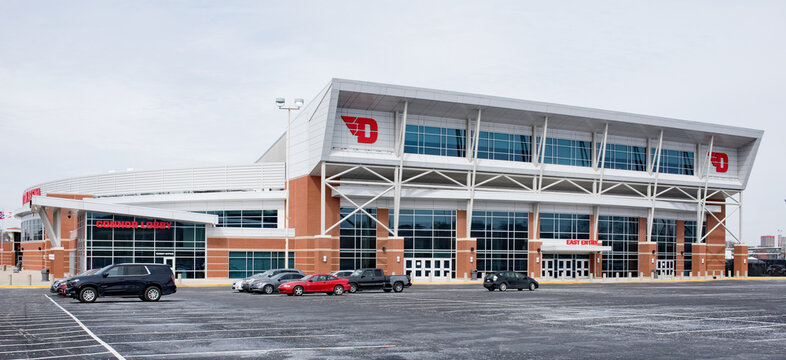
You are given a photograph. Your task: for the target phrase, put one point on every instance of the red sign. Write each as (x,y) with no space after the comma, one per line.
(720,161)
(582,242)
(28,195)
(133,224)
(357,126)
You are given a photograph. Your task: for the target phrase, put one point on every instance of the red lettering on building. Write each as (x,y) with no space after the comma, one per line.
(581,242)
(720,161)
(357,126)
(133,224)
(28,195)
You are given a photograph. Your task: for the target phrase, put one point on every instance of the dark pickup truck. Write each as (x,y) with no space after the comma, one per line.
(373,279)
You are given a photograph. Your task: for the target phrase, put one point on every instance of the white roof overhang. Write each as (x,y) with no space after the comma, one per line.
(129,210)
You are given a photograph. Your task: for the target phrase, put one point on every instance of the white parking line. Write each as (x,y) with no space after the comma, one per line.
(49,349)
(203,331)
(63,356)
(52,342)
(687,318)
(105,345)
(720,330)
(764,340)
(253,352)
(225,339)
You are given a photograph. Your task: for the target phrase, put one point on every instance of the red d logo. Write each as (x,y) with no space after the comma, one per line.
(357,126)
(720,161)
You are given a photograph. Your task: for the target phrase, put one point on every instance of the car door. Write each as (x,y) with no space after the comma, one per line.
(136,278)
(113,283)
(379,278)
(367,279)
(521,281)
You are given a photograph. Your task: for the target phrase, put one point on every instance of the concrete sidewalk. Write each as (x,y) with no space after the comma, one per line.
(23,278)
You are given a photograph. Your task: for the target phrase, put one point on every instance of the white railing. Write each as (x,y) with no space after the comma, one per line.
(254,177)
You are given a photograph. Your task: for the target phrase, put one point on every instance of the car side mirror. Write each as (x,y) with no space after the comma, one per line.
(105,274)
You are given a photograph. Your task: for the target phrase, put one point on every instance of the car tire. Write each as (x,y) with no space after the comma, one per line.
(503,287)
(531,286)
(268,289)
(88,294)
(353,288)
(338,290)
(398,286)
(152,293)
(490,288)
(298,291)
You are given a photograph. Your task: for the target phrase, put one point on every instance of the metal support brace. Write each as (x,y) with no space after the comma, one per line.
(397,178)
(652,191)
(703,196)
(471,202)
(52,231)
(739,241)
(322,201)
(596,215)
(542,153)
(602,159)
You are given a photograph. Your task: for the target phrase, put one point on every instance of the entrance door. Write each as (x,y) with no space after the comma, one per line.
(171,262)
(428,269)
(665,267)
(582,268)
(548,268)
(565,268)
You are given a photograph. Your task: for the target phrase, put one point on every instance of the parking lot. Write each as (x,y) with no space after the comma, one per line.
(664,320)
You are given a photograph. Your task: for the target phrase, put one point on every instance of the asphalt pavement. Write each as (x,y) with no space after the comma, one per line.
(716,319)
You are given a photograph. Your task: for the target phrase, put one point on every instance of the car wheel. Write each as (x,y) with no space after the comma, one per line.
(398,286)
(268,289)
(152,293)
(353,287)
(531,286)
(338,290)
(503,287)
(88,294)
(298,290)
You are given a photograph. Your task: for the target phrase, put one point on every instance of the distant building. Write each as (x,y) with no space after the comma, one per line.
(768,241)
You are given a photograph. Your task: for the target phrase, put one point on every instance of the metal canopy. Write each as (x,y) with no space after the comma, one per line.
(427,102)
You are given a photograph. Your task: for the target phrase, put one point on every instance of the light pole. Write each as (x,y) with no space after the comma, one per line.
(281,103)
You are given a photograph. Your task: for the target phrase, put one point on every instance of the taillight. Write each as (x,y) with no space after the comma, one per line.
(173,278)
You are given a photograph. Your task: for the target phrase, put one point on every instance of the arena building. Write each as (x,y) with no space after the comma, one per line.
(436,184)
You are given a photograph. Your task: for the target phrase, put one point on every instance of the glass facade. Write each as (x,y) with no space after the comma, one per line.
(567,152)
(501,146)
(114,239)
(624,157)
(430,140)
(622,234)
(267,219)
(428,234)
(502,240)
(690,238)
(246,263)
(564,226)
(675,161)
(32,230)
(358,244)
(664,232)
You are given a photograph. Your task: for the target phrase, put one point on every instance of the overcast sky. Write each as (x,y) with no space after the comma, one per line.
(87,87)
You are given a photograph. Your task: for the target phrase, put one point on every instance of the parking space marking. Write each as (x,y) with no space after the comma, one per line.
(720,330)
(688,318)
(201,331)
(105,345)
(53,342)
(263,351)
(65,356)
(766,340)
(49,349)
(225,339)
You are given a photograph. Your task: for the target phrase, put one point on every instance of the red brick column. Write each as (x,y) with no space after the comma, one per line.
(390,255)
(596,264)
(648,255)
(740,260)
(58,264)
(679,266)
(534,258)
(699,259)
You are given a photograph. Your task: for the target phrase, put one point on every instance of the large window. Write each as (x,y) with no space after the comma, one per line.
(567,152)
(564,226)
(502,240)
(622,234)
(501,146)
(358,244)
(624,157)
(674,161)
(246,218)
(32,230)
(116,239)
(664,233)
(246,263)
(432,140)
(428,233)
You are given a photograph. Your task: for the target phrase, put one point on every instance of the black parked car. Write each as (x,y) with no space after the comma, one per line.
(503,280)
(776,269)
(147,281)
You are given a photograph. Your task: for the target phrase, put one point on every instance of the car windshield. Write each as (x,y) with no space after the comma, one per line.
(104,269)
(357,272)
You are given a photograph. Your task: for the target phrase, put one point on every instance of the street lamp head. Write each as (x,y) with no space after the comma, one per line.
(280,102)
(298,102)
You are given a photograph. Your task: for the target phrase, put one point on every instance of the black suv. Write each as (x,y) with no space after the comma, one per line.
(776,269)
(503,280)
(147,281)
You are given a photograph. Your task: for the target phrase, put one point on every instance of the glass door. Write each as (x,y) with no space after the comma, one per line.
(548,268)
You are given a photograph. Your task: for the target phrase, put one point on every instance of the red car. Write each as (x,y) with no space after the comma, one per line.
(323,283)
